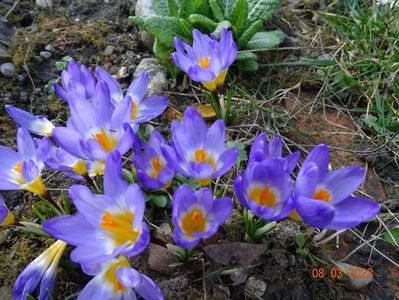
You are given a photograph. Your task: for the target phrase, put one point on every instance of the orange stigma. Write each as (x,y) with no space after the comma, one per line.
(18,167)
(204,62)
(194,221)
(264,196)
(322,195)
(106,142)
(157,165)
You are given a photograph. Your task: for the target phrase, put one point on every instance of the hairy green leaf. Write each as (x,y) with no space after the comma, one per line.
(262,9)
(266,40)
(392,236)
(228,7)
(245,55)
(248,65)
(163,28)
(249,33)
(189,7)
(161,51)
(238,16)
(223,24)
(202,22)
(161,7)
(217,10)
(173,8)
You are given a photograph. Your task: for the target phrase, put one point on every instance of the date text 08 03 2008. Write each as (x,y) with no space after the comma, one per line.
(338,273)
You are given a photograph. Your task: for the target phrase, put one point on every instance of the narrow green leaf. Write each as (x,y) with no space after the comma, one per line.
(216,10)
(159,200)
(249,33)
(202,22)
(186,27)
(238,16)
(161,27)
(245,55)
(392,236)
(300,241)
(228,7)
(262,10)
(266,40)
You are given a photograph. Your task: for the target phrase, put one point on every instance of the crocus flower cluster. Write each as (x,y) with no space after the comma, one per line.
(208,60)
(321,198)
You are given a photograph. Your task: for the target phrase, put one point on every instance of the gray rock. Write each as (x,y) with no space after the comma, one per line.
(123,72)
(44,3)
(24,97)
(255,288)
(38,59)
(50,48)
(7,69)
(238,276)
(164,233)
(145,8)
(221,292)
(45,55)
(4,56)
(157,75)
(161,260)
(7,31)
(109,50)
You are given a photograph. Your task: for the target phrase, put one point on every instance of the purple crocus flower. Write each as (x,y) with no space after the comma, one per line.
(6,216)
(62,161)
(323,199)
(208,60)
(138,108)
(197,151)
(115,279)
(106,225)
(153,171)
(95,128)
(263,149)
(22,169)
(35,124)
(265,189)
(77,79)
(43,271)
(196,215)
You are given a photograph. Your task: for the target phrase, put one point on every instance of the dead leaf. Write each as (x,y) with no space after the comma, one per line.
(205,110)
(173,114)
(243,253)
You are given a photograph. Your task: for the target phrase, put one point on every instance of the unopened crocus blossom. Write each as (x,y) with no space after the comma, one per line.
(40,273)
(323,199)
(77,79)
(6,216)
(22,169)
(208,60)
(115,279)
(153,171)
(196,215)
(95,128)
(106,225)
(262,149)
(35,124)
(139,109)
(265,189)
(72,166)
(197,151)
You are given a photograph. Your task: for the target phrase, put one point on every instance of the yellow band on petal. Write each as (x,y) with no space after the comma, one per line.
(294,215)
(218,81)
(80,167)
(36,186)
(10,218)
(204,182)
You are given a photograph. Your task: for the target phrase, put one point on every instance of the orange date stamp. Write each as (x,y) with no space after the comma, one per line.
(338,273)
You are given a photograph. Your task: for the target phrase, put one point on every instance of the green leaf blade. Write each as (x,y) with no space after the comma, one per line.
(266,40)
(262,10)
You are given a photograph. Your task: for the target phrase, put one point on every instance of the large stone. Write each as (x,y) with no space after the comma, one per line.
(7,69)
(157,75)
(145,8)
(161,260)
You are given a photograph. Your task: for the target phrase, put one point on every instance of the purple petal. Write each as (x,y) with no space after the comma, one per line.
(226,161)
(353,211)
(114,185)
(113,85)
(138,87)
(25,144)
(214,139)
(69,140)
(313,212)
(150,108)
(320,155)
(8,158)
(307,180)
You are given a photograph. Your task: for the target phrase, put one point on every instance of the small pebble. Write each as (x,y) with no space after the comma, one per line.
(109,50)
(123,72)
(45,55)
(255,288)
(23,97)
(7,69)
(50,48)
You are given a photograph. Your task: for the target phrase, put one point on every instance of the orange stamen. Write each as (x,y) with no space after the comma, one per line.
(194,221)
(263,196)
(105,141)
(134,110)
(322,195)
(204,62)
